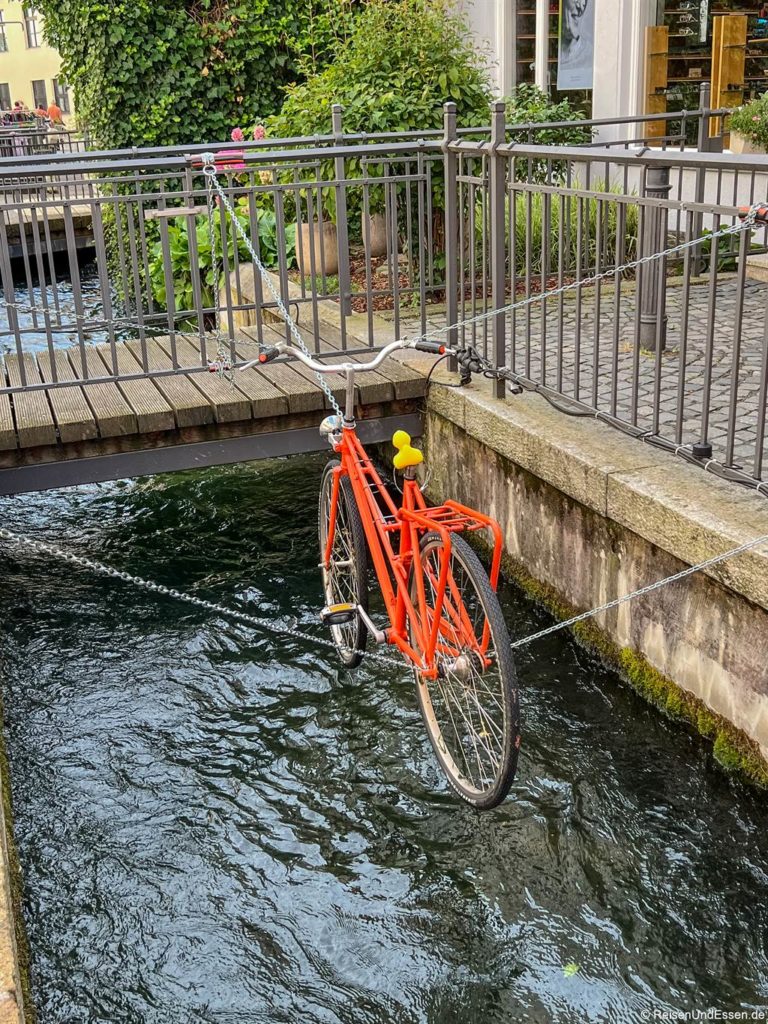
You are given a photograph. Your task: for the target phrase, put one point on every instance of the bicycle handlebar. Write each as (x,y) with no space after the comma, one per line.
(270,352)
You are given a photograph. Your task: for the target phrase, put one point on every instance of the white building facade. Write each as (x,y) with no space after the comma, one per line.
(520,38)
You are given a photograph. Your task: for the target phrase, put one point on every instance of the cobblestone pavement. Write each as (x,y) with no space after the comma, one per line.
(605,369)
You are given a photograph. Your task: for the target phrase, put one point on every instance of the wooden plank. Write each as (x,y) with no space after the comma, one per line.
(407,382)
(336,382)
(266,399)
(373,386)
(229,403)
(330,341)
(114,417)
(150,410)
(71,411)
(7,429)
(302,394)
(656,71)
(729,48)
(34,419)
(191,408)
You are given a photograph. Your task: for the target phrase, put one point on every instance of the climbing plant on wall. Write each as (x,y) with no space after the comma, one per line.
(164,72)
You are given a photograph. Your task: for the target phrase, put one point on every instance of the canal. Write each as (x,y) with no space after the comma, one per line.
(220,826)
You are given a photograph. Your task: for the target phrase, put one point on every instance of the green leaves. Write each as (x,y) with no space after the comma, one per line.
(127,59)
(181,262)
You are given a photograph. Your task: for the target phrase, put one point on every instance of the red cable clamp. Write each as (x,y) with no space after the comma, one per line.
(224,160)
(760,213)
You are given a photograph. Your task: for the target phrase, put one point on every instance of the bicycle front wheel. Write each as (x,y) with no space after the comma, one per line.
(471,710)
(345,578)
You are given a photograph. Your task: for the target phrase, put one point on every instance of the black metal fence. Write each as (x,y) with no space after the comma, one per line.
(483,230)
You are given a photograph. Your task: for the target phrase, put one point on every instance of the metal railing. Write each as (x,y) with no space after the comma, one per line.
(673,349)
(467,224)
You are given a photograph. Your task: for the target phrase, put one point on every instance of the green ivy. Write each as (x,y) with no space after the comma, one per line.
(171,72)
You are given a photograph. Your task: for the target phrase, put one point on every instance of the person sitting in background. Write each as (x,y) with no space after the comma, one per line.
(54,114)
(41,111)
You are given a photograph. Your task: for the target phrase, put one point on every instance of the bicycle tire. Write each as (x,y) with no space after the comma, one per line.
(346,583)
(500,726)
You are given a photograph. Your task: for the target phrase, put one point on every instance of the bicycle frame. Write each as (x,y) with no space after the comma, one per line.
(414,628)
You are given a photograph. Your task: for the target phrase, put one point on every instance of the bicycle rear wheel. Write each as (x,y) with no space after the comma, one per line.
(471,710)
(345,579)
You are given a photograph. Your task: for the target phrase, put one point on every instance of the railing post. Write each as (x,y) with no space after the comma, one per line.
(342,228)
(653,323)
(704,145)
(498,187)
(451,192)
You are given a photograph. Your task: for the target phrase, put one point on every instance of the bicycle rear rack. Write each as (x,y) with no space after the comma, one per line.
(455,518)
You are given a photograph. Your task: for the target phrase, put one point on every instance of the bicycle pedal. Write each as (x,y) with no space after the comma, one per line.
(338,614)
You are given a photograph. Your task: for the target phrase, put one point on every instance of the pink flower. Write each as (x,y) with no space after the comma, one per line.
(237,135)
(259,132)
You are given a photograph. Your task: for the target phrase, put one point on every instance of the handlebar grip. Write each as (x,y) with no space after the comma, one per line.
(268,353)
(434,347)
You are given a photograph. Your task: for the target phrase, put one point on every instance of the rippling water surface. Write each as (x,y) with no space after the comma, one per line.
(218,826)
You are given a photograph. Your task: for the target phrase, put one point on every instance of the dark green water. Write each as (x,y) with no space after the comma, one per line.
(216,826)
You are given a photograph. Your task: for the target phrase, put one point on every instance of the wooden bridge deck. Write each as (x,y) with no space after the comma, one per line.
(96,421)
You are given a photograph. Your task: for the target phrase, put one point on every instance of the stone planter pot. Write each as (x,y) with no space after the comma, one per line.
(376,232)
(741,144)
(327,257)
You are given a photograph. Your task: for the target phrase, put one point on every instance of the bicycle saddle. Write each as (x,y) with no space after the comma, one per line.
(407,455)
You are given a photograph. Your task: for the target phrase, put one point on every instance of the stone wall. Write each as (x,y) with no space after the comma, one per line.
(588,516)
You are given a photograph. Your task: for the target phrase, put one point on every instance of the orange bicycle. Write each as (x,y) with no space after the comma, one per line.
(444,615)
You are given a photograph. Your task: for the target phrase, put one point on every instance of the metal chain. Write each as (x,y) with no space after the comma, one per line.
(209,169)
(20,540)
(641,592)
(260,623)
(222,366)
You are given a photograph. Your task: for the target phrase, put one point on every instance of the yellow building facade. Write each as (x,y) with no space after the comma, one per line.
(29,68)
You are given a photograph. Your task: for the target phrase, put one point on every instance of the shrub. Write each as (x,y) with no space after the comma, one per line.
(751,121)
(402,61)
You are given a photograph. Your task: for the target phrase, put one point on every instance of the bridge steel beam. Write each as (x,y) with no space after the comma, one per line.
(199,455)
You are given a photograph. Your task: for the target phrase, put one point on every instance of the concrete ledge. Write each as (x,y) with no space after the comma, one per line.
(667,502)
(15,1002)
(757,267)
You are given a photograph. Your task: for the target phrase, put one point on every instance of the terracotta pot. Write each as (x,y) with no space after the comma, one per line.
(376,232)
(310,235)
(741,144)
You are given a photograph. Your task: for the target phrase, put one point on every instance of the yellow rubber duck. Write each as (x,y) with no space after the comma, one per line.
(407,455)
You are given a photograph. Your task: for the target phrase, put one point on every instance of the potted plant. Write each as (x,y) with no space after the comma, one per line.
(749,127)
(316,241)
